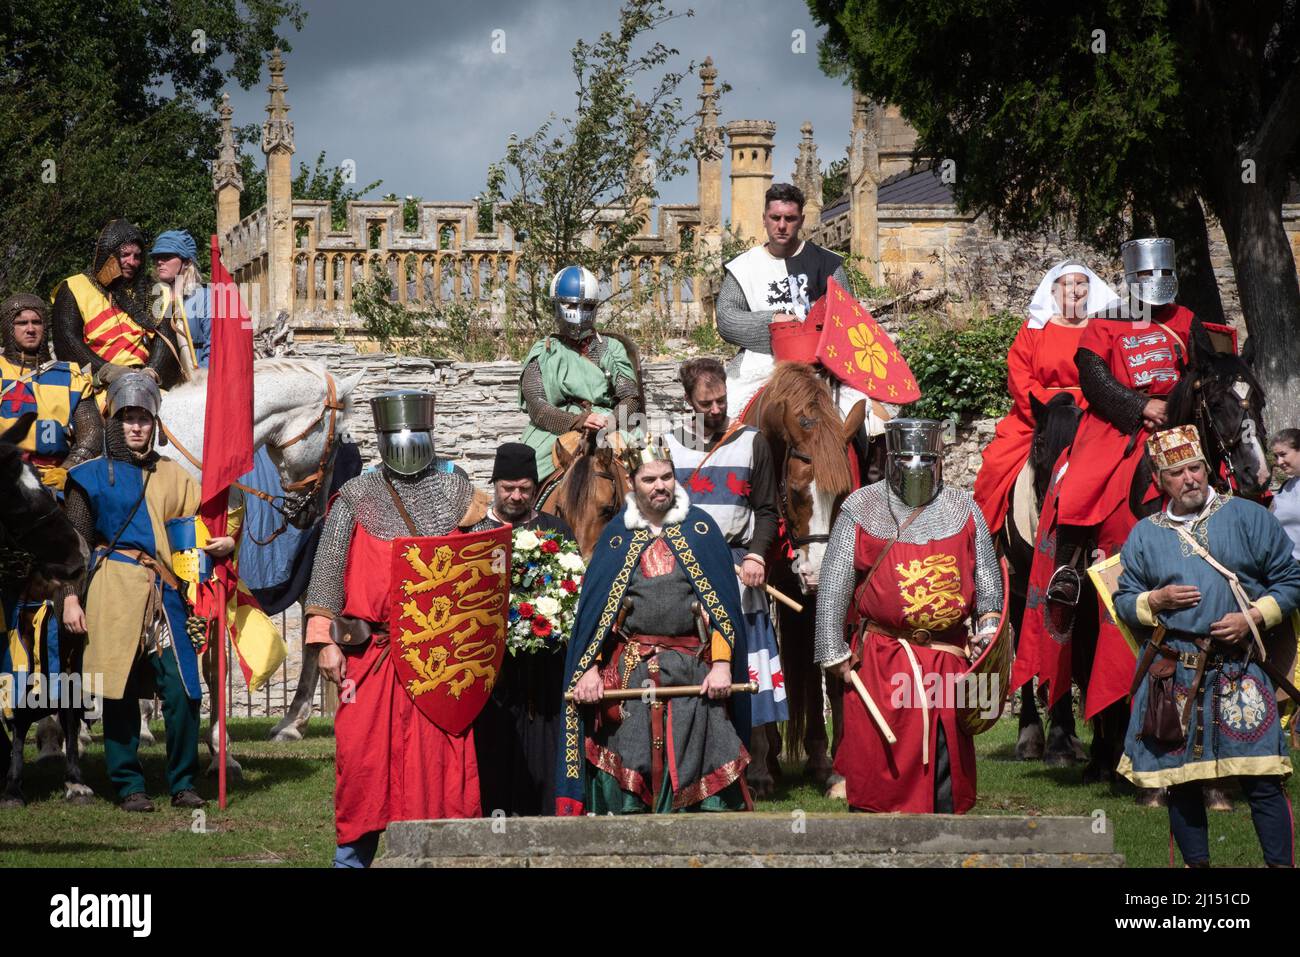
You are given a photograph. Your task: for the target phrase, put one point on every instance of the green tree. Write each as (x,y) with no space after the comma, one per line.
(1113,118)
(556,187)
(106,111)
(835,181)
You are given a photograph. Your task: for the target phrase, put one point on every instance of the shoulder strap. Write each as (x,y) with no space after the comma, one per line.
(735,426)
(144,487)
(1178,340)
(1234,585)
(881,558)
(401,509)
(890,544)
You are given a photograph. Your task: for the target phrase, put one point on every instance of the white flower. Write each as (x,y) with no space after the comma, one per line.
(548,606)
(571,562)
(526,541)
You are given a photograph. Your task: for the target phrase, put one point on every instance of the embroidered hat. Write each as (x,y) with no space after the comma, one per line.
(1172,448)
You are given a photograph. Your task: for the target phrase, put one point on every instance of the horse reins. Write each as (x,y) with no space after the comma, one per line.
(309,486)
(1207,420)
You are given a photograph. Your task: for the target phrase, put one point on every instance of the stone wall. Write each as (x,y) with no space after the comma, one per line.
(478,410)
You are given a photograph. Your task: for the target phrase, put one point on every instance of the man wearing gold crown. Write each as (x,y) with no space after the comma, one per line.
(1203,707)
(659,608)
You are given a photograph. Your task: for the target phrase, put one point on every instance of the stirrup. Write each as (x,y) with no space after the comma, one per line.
(1064,587)
(1060,601)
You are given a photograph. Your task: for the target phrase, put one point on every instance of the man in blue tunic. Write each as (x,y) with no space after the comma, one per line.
(1203,652)
(659,563)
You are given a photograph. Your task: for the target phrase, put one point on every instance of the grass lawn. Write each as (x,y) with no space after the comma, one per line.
(281,814)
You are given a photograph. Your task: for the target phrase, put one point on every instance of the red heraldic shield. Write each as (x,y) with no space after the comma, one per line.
(447,627)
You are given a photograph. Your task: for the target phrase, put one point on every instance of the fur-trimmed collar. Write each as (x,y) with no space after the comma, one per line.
(633,518)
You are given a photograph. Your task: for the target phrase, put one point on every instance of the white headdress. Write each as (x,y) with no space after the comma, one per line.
(1042,307)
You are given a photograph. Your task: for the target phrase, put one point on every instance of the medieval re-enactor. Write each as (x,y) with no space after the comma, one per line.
(910,560)
(135,616)
(68,427)
(775,282)
(726,468)
(392,762)
(103,319)
(576,379)
(1220,710)
(516,733)
(67,431)
(659,607)
(1127,365)
(1040,366)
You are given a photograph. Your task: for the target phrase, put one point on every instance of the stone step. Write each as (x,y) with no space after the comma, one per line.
(752,840)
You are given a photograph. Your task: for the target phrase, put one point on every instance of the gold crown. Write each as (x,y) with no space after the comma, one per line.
(652,449)
(1174,447)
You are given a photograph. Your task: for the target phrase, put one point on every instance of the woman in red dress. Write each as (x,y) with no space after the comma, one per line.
(1040,364)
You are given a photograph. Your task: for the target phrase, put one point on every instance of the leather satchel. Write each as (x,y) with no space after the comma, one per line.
(1161,722)
(349,632)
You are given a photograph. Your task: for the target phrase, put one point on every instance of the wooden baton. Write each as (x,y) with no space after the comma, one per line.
(871,706)
(675,691)
(782,597)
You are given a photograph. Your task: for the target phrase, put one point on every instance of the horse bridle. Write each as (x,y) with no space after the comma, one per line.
(1207,421)
(782,505)
(303,491)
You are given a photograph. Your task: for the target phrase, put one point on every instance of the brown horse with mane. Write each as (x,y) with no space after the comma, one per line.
(811,444)
(587,490)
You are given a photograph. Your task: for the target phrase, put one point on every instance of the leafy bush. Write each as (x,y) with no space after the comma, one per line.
(961,367)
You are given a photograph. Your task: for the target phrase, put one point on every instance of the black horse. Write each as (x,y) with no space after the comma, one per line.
(41,552)
(1055,424)
(1219,394)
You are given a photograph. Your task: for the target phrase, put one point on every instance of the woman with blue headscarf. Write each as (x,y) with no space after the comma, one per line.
(184,293)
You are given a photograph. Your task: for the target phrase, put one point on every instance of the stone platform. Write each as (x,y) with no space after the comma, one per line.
(752,840)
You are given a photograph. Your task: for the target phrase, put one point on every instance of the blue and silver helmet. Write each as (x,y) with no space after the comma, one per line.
(576,293)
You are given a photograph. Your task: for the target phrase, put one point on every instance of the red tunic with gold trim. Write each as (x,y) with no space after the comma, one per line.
(1040,364)
(392,763)
(929,586)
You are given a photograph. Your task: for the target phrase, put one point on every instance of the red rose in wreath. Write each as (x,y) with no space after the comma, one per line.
(569,585)
(550,546)
(525,610)
(541,626)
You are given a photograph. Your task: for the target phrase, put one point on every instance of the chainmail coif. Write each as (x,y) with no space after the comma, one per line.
(9,310)
(436,500)
(880,513)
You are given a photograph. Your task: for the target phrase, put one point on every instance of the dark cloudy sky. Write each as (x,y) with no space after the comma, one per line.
(411,90)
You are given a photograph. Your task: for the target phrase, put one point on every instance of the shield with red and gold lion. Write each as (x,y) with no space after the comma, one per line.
(447,626)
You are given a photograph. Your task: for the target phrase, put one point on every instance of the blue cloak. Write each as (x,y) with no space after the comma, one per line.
(706,557)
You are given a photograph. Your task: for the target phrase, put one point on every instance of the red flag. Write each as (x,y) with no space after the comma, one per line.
(228,424)
(857,351)
(227,454)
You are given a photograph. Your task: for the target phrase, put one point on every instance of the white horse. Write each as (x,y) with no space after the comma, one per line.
(299,413)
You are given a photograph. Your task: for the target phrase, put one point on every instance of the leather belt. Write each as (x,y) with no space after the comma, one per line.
(917,636)
(148,561)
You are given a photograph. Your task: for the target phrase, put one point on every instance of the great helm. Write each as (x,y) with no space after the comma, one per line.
(1157,256)
(576,293)
(914,459)
(404,425)
(133,390)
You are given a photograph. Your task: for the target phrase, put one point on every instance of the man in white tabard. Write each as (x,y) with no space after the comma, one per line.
(778,282)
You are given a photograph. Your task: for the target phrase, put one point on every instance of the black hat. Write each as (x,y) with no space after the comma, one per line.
(514,461)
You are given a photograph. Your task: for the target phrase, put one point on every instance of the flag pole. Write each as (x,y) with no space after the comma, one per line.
(221,691)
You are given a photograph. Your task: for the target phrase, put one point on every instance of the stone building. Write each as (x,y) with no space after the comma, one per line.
(897,218)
